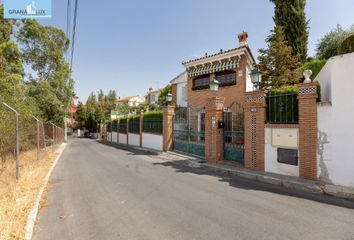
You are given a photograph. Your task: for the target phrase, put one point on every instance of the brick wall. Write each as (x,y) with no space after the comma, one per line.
(308,130)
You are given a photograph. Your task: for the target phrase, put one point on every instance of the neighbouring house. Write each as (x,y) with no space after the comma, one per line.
(152,96)
(132,101)
(229,67)
(180,90)
(71,118)
(335,112)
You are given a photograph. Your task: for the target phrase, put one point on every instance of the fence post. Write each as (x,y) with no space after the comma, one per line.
(214,150)
(37,121)
(167,127)
(307,97)
(17,142)
(141,125)
(118,131)
(255,117)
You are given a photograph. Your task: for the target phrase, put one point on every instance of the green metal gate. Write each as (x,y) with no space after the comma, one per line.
(234,133)
(188,131)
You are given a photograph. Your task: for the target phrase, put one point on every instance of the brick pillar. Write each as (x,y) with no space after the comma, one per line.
(255,117)
(167,127)
(307,97)
(141,125)
(174,94)
(214,149)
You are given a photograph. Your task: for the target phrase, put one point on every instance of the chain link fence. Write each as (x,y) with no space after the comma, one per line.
(26,137)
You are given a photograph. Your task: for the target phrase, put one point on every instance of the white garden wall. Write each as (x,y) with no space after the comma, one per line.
(335,156)
(108,137)
(271,163)
(152,141)
(134,139)
(114,137)
(122,138)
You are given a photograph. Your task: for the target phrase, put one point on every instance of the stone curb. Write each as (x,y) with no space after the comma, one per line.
(32,216)
(303,185)
(339,191)
(127,147)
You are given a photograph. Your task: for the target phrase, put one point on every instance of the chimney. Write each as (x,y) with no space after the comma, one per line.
(242,39)
(150,89)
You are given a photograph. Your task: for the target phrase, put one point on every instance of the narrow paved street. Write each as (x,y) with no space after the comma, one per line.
(101,192)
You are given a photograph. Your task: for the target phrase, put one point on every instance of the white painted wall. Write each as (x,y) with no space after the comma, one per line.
(122,138)
(152,141)
(134,139)
(271,163)
(182,92)
(249,84)
(108,137)
(114,136)
(335,156)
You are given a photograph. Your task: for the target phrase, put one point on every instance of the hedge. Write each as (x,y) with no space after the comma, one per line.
(134,124)
(152,122)
(123,125)
(315,66)
(347,46)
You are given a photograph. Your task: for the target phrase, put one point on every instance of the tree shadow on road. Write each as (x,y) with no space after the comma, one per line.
(129,149)
(183,166)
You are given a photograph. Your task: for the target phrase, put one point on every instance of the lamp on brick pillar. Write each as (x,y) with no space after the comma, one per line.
(214,109)
(167,119)
(307,96)
(214,149)
(167,129)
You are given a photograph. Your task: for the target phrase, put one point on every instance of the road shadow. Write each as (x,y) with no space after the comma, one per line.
(129,149)
(182,166)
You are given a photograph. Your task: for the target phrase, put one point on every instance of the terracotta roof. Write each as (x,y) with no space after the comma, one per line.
(125,99)
(155,90)
(220,53)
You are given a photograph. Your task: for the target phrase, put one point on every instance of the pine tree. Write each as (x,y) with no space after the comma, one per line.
(278,66)
(290,15)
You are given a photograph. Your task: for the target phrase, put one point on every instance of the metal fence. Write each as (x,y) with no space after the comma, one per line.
(152,125)
(134,125)
(21,134)
(282,108)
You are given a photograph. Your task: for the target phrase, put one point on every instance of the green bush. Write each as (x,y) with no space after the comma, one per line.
(152,122)
(123,125)
(347,46)
(134,124)
(114,125)
(315,66)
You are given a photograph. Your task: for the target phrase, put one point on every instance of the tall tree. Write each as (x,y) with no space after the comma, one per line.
(327,46)
(163,95)
(290,15)
(43,49)
(276,63)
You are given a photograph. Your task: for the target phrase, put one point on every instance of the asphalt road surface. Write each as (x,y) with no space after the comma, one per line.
(101,192)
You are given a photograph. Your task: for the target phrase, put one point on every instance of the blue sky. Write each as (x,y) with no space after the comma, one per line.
(132,45)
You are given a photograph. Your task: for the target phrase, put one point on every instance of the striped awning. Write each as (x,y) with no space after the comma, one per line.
(213,68)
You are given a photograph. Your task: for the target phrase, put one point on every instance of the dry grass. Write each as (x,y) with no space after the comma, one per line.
(17,197)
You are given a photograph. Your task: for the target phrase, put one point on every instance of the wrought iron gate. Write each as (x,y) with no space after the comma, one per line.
(188,131)
(234,133)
